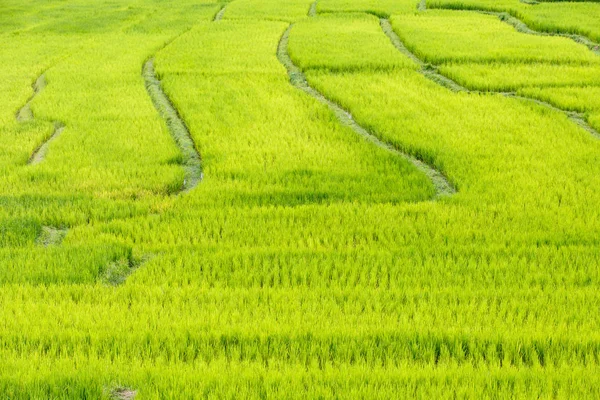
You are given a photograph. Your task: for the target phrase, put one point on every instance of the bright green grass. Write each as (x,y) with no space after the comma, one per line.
(344,42)
(381,8)
(460,36)
(258,141)
(504,143)
(582,99)
(576,18)
(513,6)
(581,18)
(308,263)
(512,76)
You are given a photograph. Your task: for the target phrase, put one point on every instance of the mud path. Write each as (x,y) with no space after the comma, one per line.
(219,15)
(25,114)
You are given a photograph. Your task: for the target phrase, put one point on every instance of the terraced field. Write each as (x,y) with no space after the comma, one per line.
(331,199)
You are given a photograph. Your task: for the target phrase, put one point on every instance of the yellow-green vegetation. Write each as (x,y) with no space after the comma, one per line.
(272,10)
(565,17)
(500,58)
(511,76)
(581,99)
(309,261)
(513,6)
(594,120)
(381,8)
(344,44)
(460,36)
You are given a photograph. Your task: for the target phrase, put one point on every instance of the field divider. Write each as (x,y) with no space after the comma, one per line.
(431,72)
(192,162)
(117,272)
(179,131)
(220,13)
(25,114)
(428,70)
(312,10)
(442,186)
(521,26)
(40,153)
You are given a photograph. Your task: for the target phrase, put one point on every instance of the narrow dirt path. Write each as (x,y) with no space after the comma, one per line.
(219,15)
(25,114)
(442,186)
(431,72)
(40,153)
(312,11)
(51,236)
(191,158)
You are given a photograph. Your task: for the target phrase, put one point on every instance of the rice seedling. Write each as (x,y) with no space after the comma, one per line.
(309,262)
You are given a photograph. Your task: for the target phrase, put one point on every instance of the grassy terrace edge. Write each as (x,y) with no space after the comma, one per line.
(514,20)
(25,114)
(441,184)
(431,72)
(192,163)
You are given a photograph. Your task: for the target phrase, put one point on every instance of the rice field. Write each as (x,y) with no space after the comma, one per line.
(340,199)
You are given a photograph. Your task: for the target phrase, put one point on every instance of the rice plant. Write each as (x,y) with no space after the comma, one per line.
(308,262)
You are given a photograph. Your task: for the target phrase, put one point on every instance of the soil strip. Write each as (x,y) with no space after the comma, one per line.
(312,11)
(25,114)
(191,158)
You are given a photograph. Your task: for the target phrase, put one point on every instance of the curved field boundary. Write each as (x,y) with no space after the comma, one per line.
(431,72)
(426,69)
(191,158)
(220,13)
(117,272)
(521,26)
(442,186)
(40,153)
(577,118)
(25,114)
(312,11)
